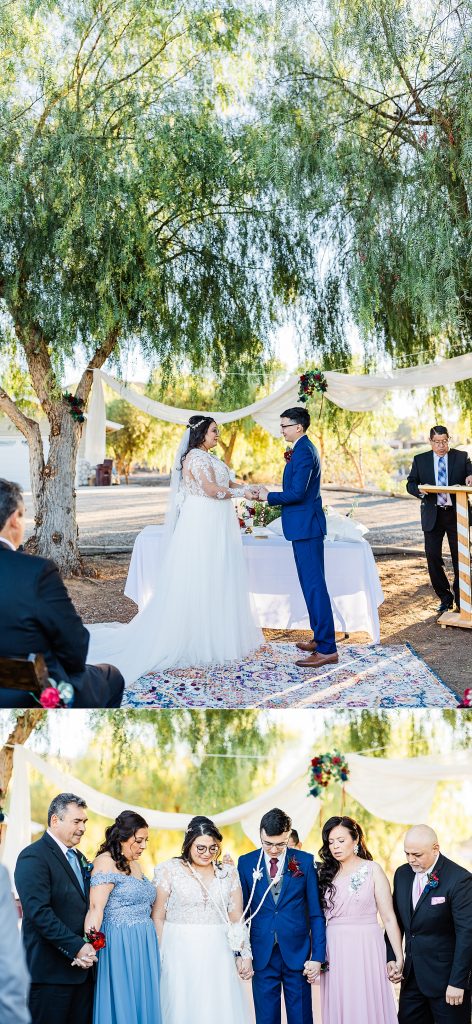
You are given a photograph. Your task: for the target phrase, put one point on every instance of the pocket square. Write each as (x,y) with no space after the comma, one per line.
(437,899)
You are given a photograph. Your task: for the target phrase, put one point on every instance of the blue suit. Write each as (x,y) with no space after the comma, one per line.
(304,523)
(298,923)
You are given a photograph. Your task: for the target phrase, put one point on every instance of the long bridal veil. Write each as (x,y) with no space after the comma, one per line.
(176,490)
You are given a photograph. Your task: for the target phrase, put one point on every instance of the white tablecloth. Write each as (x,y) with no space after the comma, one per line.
(351,576)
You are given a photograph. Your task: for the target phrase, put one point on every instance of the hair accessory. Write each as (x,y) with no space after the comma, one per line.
(193,426)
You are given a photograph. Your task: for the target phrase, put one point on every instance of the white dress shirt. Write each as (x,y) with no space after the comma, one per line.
(8,543)
(436,458)
(421,877)
(62,846)
(280,861)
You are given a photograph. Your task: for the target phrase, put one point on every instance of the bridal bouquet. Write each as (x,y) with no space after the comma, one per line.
(252,513)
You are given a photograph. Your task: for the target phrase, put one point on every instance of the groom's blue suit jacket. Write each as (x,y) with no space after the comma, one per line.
(300,498)
(296,919)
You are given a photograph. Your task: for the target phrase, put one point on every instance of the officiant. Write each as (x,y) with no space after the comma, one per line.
(448,466)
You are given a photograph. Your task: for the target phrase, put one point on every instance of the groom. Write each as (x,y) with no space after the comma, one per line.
(288,931)
(304,523)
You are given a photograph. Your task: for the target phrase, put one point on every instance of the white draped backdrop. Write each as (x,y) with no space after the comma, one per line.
(398,790)
(357,392)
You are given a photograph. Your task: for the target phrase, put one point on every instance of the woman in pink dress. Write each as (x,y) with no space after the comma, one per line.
(355,989)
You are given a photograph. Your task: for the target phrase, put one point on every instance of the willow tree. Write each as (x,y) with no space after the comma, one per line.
(374,114)
(134,208)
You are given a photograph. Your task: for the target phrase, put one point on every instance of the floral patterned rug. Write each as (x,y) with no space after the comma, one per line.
(372,676)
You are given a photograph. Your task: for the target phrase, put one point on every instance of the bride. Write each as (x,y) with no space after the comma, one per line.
(199,613)
(197,901)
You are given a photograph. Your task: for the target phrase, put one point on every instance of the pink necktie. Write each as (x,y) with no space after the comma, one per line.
(274,861)
(417,888)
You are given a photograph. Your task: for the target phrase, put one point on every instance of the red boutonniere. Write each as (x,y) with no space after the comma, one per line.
(288,454)
(433,881)
(466,702)
(96,939)
(294,868)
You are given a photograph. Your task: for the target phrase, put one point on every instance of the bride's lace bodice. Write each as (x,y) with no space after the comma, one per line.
(206,476)
(185,900)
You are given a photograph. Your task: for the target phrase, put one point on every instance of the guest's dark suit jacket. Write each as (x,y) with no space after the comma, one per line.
(37,615)
(438,932)
(54,909)
(459,467)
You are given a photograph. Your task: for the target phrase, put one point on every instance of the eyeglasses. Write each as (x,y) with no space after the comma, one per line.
(445,441)
(207,849)
(274,846)
(283,426)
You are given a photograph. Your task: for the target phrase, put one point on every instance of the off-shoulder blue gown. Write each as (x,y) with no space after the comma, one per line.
(127,989)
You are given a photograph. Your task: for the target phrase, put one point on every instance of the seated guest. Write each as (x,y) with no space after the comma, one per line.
(38,617)
(15,981)
(448,466)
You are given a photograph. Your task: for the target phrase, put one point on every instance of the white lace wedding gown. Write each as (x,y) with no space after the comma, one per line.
(199,979)
(200,613)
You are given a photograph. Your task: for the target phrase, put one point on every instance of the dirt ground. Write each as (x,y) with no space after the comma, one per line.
(406,616)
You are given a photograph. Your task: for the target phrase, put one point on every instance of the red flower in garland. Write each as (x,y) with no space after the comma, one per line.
(294,868)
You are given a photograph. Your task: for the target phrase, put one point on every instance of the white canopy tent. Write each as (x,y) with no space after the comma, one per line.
(399,790)
(357,392)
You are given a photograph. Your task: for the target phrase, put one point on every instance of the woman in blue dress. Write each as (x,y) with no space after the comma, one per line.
(121,900)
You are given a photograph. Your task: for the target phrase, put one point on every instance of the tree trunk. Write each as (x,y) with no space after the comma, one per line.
(228,448)
(25,724)
(53,486)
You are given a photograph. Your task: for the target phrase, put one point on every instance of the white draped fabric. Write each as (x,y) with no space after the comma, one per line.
(398,790)
(357,392)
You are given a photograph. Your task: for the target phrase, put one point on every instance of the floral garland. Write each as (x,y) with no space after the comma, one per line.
(76,407)
(309,382)
(326,768)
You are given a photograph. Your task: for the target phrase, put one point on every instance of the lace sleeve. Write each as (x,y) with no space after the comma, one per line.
(199,466)
(235,912)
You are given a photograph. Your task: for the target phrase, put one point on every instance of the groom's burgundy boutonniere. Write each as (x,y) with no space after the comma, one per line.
(433,881)
(288,454)
(96,939)
(294,868)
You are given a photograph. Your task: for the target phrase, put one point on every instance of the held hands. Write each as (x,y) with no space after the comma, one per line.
(85,957)
(454,996)
(256,493)
(312,970)
(244,965)
(468,481)
(395,971)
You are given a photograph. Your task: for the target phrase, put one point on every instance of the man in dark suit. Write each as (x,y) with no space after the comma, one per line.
(288,932)
(15,981)
(304,523)
(53,885)
(37,616)
(432,897)
(448,466)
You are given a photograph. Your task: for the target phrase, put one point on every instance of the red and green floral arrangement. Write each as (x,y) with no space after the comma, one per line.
(76,407)
(326,768)
(309,382)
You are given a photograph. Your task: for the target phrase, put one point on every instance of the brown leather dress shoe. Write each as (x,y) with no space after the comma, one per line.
(317,659)
(306,645)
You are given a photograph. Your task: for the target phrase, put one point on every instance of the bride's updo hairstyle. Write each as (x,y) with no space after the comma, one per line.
(198,827)
(199,427)
(125,826)
(329,865)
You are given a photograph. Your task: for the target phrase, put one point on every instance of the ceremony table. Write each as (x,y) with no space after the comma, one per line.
(351,576)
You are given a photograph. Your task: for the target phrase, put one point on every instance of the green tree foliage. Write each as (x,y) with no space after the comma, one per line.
(373,120)
(135,206)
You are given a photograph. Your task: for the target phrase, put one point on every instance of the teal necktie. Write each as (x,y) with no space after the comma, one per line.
(74,863)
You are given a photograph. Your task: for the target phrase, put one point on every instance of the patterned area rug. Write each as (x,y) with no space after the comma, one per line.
(366,677)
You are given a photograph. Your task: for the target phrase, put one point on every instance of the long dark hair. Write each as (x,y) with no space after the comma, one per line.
(125,826)
(329,866)
(198,827)
(197,433)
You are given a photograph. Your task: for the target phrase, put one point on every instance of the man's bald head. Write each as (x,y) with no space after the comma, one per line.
(421,847)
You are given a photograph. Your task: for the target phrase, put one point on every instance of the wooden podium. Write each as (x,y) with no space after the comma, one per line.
(463,496)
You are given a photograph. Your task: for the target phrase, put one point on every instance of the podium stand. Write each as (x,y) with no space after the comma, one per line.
(463,495)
